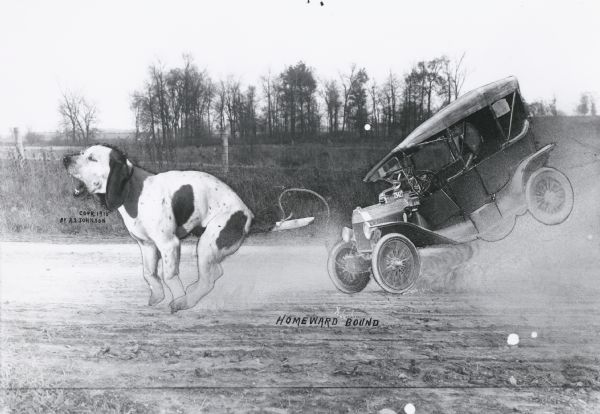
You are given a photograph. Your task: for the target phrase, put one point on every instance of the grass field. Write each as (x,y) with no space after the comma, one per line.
(35,195)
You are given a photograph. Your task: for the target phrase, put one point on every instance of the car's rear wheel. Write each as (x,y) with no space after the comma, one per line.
(396,263)
(549,196)
(348,271)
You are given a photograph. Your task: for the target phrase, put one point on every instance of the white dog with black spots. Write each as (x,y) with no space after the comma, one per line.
(161,209)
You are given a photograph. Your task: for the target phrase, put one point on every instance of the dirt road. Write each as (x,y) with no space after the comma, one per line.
(76,328)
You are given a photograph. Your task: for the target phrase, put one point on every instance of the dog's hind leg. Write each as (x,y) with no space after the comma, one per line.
(222,237)
(150,256)
(209,271)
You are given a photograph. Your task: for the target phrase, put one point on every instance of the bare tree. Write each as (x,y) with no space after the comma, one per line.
(331,96)
(355,114)
(375,107)
(347,84)
(267,89)
(88,120)
(79,117)
(232,104)
(456,76)
(389,98)
(220,106)
(434,80)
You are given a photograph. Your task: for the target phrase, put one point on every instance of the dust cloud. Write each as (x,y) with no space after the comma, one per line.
(545,271)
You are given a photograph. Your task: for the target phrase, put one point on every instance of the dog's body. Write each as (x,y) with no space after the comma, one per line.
(161,209)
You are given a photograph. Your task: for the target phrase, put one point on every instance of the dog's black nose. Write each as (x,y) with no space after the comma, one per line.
(66,160)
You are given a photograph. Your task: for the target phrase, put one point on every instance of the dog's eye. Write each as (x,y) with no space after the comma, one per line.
(91,158)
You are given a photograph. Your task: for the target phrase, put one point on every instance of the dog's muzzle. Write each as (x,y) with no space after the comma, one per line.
(79,187)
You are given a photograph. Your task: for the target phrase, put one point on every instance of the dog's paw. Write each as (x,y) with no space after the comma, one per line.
(156,298)
(179,304)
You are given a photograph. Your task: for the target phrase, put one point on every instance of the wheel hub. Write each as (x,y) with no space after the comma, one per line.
(349,271)
(395,262)
(352,265)
(550,195)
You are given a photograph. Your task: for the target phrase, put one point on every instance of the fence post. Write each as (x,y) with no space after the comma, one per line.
(19,146)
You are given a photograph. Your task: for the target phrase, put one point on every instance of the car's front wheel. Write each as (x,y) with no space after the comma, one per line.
(396,263)
(348,271)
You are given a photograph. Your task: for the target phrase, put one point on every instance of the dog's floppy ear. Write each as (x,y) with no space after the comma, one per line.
(117,178)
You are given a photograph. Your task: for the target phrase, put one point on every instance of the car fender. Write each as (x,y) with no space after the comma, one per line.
(511,198)
(418,235)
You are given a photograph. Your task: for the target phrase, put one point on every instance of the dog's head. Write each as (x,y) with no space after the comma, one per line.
(101,171)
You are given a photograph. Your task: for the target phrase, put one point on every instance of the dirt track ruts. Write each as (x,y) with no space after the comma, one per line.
(68,322)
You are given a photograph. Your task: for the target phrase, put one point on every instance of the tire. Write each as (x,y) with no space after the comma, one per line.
(395,277)
(344,274)
(549,196)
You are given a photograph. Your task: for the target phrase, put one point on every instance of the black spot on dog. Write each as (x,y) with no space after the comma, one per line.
(182,233)
(233,230)
(136,185)
(183,204)
(118,179)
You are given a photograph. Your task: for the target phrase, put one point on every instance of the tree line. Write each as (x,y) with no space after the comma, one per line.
(184,105)
(585,106)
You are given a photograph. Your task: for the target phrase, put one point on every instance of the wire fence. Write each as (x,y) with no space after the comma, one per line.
(277,162)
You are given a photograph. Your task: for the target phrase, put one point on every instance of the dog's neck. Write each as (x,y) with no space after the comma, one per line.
(133,188)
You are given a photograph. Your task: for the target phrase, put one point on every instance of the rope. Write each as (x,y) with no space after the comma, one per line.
(301,190)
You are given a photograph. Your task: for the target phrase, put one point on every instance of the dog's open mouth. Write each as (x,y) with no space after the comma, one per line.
(79,187)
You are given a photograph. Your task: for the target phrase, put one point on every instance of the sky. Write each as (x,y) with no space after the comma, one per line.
(102,49)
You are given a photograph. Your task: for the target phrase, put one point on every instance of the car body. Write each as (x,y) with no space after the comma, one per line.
(465,173)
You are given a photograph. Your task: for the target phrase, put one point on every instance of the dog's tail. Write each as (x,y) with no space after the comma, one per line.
(287,222)
(283,225)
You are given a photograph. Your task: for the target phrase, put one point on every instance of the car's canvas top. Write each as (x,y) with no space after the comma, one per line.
(464,106)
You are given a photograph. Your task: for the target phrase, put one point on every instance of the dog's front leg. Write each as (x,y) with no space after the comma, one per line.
(150,256)
(170,251)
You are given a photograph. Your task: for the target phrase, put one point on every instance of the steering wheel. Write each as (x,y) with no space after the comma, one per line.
(425,179)
(420,181)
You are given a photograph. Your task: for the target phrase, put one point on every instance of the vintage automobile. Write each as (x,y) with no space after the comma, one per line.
(465,173)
